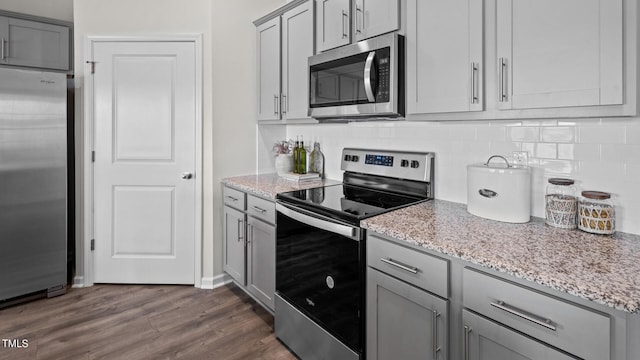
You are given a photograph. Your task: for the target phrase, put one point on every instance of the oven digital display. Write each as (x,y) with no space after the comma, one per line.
(379,160)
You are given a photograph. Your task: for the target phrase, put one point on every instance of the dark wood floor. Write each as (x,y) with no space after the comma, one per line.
(142,322)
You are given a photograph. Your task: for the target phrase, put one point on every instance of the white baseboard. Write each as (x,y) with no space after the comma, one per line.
(78,282)
(215,282)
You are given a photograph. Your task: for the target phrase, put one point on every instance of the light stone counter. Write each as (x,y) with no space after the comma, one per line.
(269,185)
(604,269)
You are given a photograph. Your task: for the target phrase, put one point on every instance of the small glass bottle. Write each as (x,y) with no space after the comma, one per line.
(302,158)
(561,203)
(296,156)
(317,160)
(596,213)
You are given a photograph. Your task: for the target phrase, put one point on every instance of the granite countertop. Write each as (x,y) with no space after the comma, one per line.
(269,185)
(601,268)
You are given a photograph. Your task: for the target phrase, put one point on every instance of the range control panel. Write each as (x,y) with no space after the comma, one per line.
(398,164)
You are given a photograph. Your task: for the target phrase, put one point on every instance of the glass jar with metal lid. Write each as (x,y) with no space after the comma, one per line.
(561,203)
(596,213)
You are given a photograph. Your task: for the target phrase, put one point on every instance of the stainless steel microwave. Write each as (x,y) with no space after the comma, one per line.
(361,80)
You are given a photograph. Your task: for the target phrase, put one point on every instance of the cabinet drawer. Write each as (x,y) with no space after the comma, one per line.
(417,268)
(570,327)
(234,198)
(261,209)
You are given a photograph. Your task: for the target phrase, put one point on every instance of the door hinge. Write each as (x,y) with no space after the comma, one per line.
(93,66)
(93,244)
(93,156)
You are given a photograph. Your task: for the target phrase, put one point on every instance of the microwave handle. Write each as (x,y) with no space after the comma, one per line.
(368,87)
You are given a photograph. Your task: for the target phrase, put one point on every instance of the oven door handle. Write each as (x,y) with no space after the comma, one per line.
(300,215)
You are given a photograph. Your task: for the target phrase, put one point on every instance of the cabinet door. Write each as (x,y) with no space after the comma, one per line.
(297,46)
(375,17)
(333,24)
(444,54)
(261,260)
(234,244)
(34,44)
(269,70)
(404,322)
(559,53)
(487,340)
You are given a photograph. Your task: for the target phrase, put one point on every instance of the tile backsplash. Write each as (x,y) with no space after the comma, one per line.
(600,154)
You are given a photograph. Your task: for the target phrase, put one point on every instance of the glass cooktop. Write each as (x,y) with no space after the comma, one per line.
(348,201)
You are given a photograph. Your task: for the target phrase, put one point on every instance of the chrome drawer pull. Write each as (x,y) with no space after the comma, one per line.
(434,319)
(467,330)
(405,267)
(525,315)
(258,209)
(232,198)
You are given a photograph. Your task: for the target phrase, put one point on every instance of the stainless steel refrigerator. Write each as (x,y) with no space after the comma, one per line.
(33,183)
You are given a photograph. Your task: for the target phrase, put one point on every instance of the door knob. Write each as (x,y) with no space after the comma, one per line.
(186,176)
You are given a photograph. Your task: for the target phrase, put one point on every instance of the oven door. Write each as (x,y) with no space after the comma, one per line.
(320,271)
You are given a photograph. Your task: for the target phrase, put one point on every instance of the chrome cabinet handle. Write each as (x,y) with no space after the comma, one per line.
(2,42)
(284,107)
(344,31)
(436,348)
(259,209)
(538,320)
(240,232)
(408,268)
(360,26)
(232,198)
(368,87)
(465,350)
(275,104)
(250,233)
(474,83)
(502,79)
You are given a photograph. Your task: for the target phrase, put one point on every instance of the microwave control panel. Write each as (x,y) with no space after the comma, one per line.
(384,70)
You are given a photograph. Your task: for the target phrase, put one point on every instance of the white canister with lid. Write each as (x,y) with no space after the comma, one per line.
(499,191)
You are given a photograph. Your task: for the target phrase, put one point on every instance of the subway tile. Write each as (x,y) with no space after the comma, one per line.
(491,133)
(601,134)
(601,170)
(528,134)
(559,134)
(618,153)
(461,133)
(542,122)
(546,151)
(558,167)
(579,151)
(632,134)
(505,148)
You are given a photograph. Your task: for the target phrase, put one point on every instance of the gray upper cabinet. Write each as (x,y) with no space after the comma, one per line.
(297,46)
(374,17)
(559,53)
(34,44)
(285,42)
(340,22)
(269,70)
(444,56)
(333,23)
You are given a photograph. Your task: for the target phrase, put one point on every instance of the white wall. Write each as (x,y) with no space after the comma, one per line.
(229,80)
(54,9)
(600,154)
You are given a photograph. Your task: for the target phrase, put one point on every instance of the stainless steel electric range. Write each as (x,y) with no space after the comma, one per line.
(320,249)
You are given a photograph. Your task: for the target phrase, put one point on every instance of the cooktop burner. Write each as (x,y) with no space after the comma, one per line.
(349,201)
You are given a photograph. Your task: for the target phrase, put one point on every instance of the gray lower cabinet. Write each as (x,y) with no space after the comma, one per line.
(234,241)
(488,340)
(261,260)
(403,321)
(249,246)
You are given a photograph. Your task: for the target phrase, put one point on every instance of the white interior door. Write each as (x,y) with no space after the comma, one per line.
(144,111)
